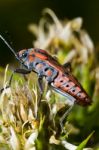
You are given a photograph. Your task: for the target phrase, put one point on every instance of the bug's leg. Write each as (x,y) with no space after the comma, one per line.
(36,114)
(40,83)
(9,84)
(65,115)
(22,71)
(67,66)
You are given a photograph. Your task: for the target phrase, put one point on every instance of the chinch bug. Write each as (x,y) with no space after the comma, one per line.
(58,76)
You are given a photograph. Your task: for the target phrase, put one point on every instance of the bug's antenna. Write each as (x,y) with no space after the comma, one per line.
(1,37)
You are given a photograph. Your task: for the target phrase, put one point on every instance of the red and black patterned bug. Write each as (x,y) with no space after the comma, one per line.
(58,76)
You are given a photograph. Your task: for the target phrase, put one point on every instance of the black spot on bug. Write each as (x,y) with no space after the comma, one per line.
(46,69)
(33,55)
(36,63)
(67,85)
(61,81)
(73,90)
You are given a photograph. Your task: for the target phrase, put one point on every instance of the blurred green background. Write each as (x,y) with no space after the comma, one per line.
(16,15)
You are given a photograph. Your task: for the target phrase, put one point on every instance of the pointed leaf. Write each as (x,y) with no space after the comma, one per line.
(83,144)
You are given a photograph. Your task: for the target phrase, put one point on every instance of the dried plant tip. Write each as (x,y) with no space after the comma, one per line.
(30,143)
(14,141)
(23,113)
(76,24)
(54,17)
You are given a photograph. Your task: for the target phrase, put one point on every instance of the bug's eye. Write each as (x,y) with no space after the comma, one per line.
(24,55)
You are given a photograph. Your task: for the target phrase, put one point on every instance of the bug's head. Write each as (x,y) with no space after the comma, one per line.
(26,57)
(23,55)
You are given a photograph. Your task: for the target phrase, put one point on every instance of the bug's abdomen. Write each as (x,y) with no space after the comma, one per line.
(62,82)
(68,84)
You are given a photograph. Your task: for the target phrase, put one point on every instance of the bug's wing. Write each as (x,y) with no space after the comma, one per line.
(67,67)
(70,98)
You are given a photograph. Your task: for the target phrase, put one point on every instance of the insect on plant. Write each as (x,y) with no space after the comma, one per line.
(58,76)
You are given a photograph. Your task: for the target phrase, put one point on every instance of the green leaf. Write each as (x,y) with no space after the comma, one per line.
(83,144)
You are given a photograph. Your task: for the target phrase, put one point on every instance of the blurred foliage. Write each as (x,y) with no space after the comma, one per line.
(19,128)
